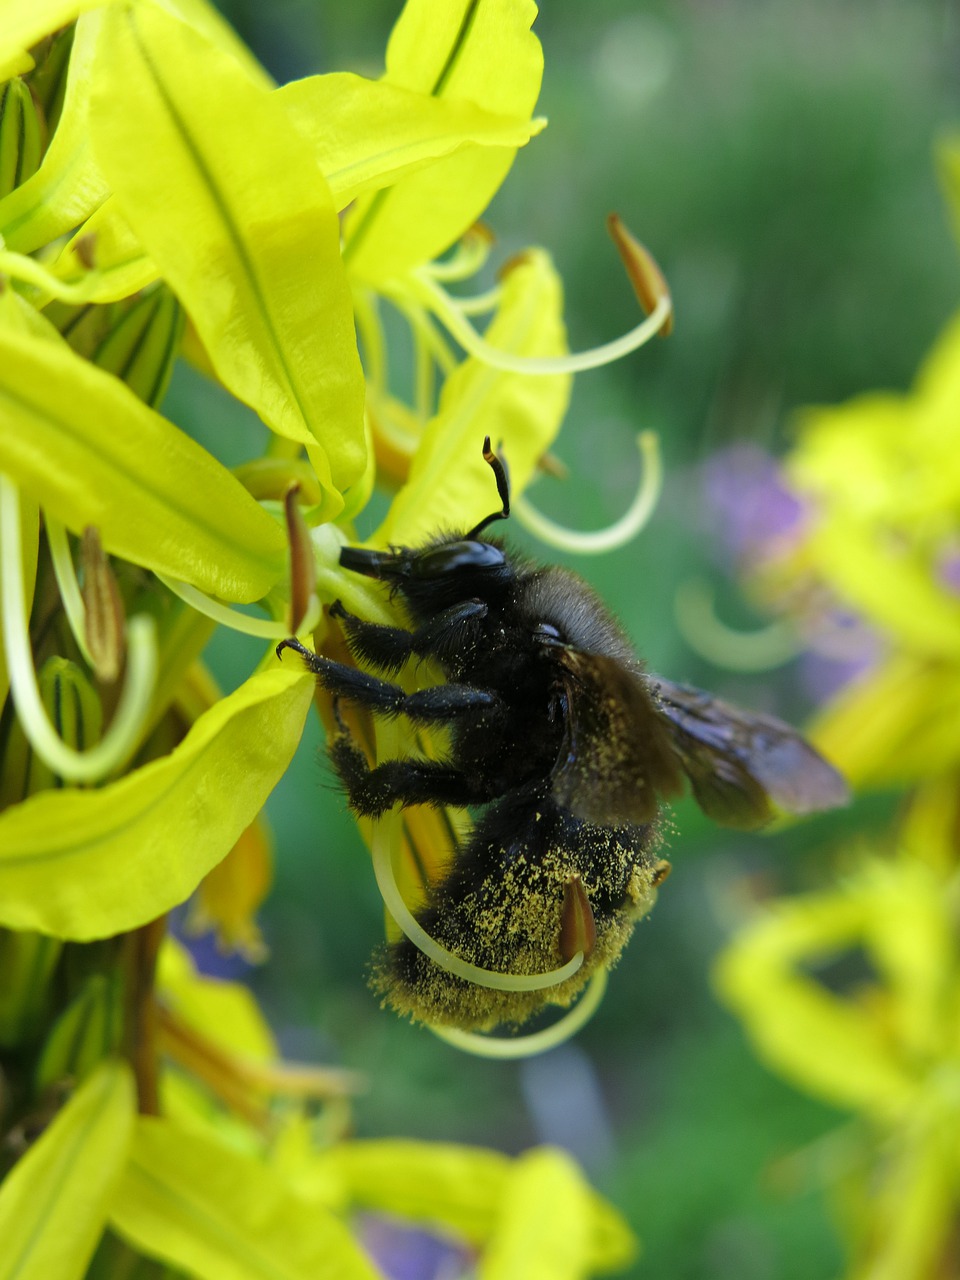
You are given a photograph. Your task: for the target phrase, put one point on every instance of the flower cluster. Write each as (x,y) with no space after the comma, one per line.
(160,196)
(880,487)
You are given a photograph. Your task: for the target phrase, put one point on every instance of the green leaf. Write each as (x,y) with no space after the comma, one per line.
(465,51)
(82,444)
(68,186)
(88,864)
(230,204)
(450,486)
(195,1203)
(54,1204)
(369,133)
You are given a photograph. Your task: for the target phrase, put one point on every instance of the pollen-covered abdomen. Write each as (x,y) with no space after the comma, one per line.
(501,908)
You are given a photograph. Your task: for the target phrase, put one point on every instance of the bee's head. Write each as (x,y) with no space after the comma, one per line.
(440,574)
(449,569)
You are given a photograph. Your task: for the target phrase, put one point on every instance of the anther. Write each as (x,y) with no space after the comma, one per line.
(578,929)
(105,623)
(303,578)
(646,277)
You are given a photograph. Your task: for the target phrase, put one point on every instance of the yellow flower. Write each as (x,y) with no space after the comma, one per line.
(887,1048)
(182,201)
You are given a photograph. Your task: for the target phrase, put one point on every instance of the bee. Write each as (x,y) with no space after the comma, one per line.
(564,748)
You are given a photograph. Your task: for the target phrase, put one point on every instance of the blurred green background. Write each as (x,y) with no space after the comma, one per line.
(778,160)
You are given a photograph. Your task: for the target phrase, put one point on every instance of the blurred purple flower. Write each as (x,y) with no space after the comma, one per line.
(406,1252)
(748,508)
(948,568)
(209,957)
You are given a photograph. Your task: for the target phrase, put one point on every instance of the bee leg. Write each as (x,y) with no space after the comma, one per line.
(386,648)
(372,791)
(443,702)
(451,632)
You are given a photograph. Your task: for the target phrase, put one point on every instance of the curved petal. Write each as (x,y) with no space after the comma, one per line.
(831,1046)
(450,486)
(53,1205)
(68,186)
(88,864)
(230,204)
(485,54)
(210,1211)
(369,133)
(82,444)
(24,25)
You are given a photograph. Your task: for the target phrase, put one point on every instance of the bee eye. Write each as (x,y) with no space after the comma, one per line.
(547,633)
(450,557)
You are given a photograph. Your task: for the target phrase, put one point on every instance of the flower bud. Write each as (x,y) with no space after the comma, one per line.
(73,707)
(21,135)
(142,344)
(48,79)
(86,1032)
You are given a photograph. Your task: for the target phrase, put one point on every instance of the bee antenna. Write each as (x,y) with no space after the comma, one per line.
(499,467)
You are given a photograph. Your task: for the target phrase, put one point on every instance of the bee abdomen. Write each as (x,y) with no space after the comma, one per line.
(502,909)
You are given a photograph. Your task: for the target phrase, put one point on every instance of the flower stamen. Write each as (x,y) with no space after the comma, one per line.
(386,841)
(615,535)
(468,258)
(133,708)
(262,628)
(67,583)
(486,1046)
(648,284)
(762,650)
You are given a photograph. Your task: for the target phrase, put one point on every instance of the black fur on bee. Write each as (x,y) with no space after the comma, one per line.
(562,744)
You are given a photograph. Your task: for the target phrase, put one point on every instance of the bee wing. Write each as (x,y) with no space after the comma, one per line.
(618,755)
(739,761)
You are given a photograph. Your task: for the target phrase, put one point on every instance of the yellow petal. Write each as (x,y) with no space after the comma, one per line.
(68,186)
(24,25)
(483,54)
(230,204)
(120,264)
(898,723)
(82,443)
(368,134)
(54,1203)
(908,932)
(543,1227)
(207,1210)
(230,895)
(827,1045)
(466,1190)
(452,1186)
(450,486)
(226,1012)
(88,864)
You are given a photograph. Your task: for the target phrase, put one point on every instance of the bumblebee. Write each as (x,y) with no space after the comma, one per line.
(565,750)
